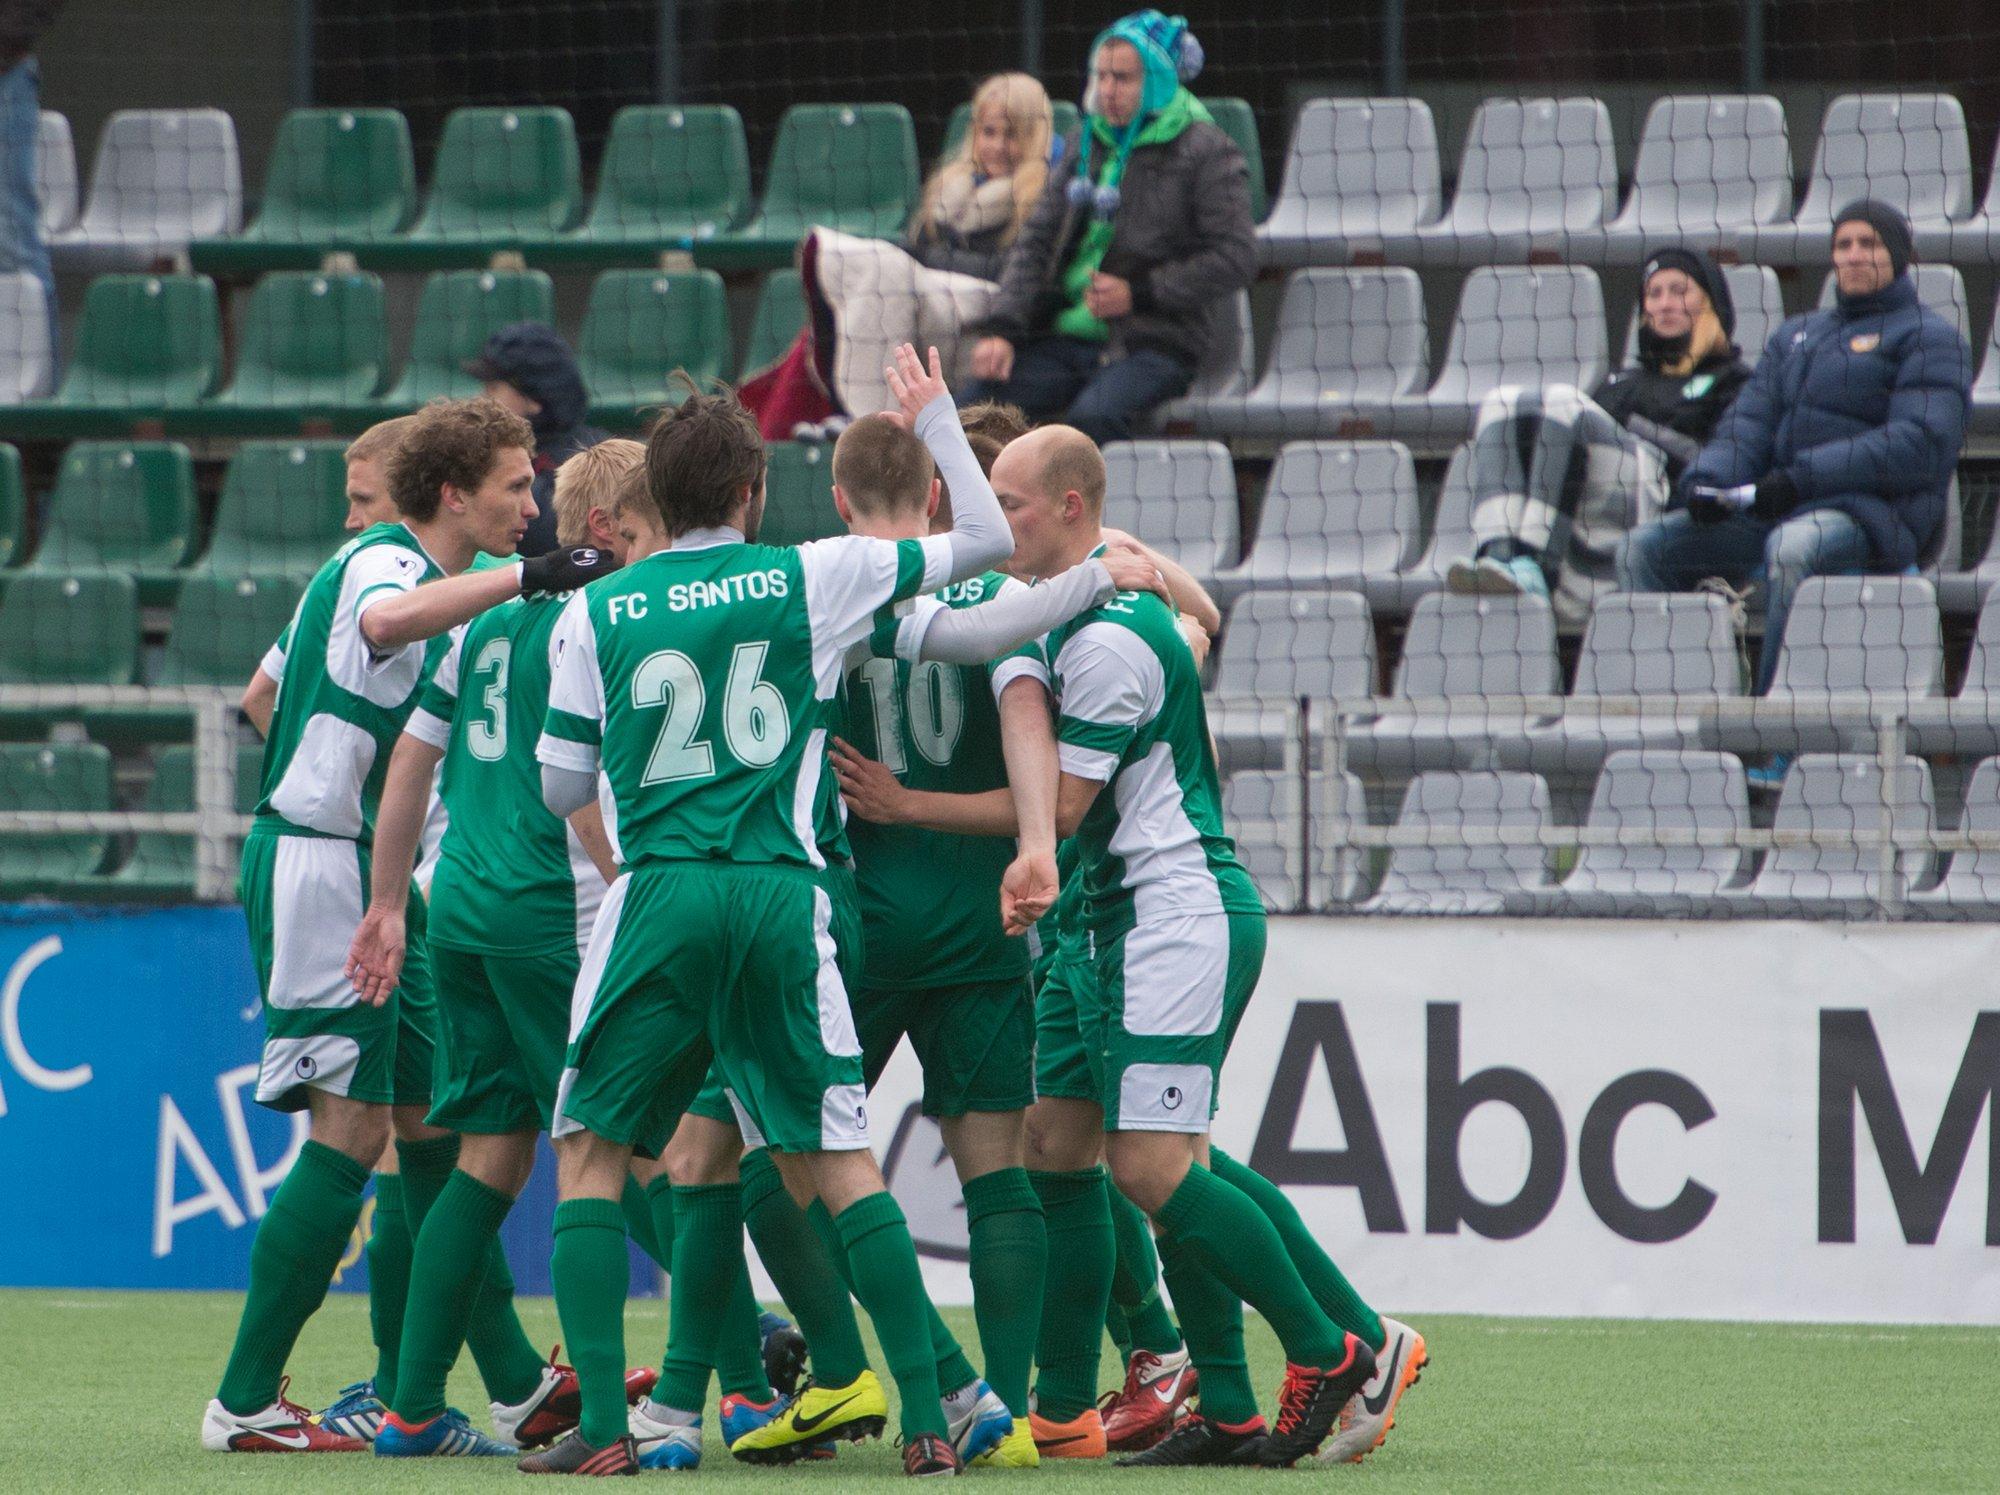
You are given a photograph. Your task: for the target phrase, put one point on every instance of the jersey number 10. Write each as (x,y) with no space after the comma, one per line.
(936,711)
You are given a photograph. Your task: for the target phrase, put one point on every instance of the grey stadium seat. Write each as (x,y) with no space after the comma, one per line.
(1985,413)
(1940,287)
(55,172)
(1534,172)
(1277,648)
(1906,149)
(1357,169)
(1335,514)
(1834,792)
(1970,887)
(1177,496)
(1708,163)
(1451,540)
(27,362)
(1349,343)
(1464,649)
(162,177)
(1262,814)
(1663,790)
(1760,307)
(1447,877)
(1974,730)
(1976,241)
(1225,374)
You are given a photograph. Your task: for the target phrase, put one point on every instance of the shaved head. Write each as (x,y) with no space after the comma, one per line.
(1050,483)
(1056,460)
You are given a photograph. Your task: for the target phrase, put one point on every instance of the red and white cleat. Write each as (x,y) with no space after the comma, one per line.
(282,1427)
(1157,1390)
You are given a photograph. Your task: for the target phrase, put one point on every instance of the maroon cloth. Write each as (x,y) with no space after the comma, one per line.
(798,388)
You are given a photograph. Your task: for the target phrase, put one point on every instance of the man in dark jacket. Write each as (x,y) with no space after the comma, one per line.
(530,370)
(21,247)
(1123,277)
(1836,457)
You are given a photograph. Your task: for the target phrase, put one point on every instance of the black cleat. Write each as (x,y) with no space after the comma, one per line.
(928,1456)
(574,1456)
(1198,1440)
(1309,1404)
(785,1353)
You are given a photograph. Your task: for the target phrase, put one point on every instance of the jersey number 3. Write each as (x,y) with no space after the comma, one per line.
(755,723)
(486,734)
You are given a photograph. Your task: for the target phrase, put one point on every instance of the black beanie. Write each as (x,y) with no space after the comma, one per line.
(1704,272)
(1891,225)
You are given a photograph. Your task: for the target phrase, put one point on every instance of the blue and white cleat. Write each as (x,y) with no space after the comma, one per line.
(741,1415)
(448,1436)
(982,1427)
(662,1441)
(356,1413)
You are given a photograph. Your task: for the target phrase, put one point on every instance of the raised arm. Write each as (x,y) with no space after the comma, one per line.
(979,538)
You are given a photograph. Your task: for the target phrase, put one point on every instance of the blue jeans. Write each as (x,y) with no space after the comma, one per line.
(1674,554)
(21,246)
(1066,378)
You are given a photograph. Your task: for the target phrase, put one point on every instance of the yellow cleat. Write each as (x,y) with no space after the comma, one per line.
(1015,1451)
(817,1415)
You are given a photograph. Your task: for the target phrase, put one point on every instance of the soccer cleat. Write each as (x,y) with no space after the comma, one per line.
(663,1443)
(784,1352)
(927,1456)
(1768,778)
(282,1427)
(574,1456)
(1015,1451)
(1082,1437)
(1371,1412)
(982,1427)
(1201,1440)
(556,1405)
(357,1412)
(817,1415)
(1157,1388)
(1309,1404)
(448,1436)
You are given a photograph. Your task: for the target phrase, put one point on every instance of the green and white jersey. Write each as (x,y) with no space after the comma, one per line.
(703,679)
(512,878)
(930,901)
(1130,716)
(341,704)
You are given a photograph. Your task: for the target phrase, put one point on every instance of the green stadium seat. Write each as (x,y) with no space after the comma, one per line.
(161,865)
(503,178)
(66,630)
(669,174)
(283,508)
(1239,122)
(337,179)
(640,326)
(148,346)
(798,494)
(52,776)
(13,506)
(781,312)
(1063,120)
(124,506)
(312,344)
(456,312)
(846,166)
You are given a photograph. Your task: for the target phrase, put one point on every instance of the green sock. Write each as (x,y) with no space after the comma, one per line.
(844,1362)
(389,1250)
(802,1252)
(1328,1285)
(1212,1317)
(1135,1281)
(739,1349)
(426,1164)
(450,1265)
(890,1285)
(953,1369)
(642,1227)
(508,1361)
(1008,1256)
(1225,1232)
(708,1246)
(659,1197)
(1119,1330)
(298,1244)
(591,1270)
(1081,1257)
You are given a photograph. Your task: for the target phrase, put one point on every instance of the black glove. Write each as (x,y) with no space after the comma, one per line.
(1700,508)
(1777,496)
(564,570)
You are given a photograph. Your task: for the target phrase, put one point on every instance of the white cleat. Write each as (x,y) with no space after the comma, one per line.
(282,1427)
(1370,1413)
(664,1444)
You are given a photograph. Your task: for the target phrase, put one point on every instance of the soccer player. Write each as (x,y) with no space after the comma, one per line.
(362,643)
(702,681)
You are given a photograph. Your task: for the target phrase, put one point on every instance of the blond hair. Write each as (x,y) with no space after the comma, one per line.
(380,439)
(1025,102)
(590,479)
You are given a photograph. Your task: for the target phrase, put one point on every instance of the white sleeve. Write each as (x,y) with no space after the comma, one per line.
(1111,684)
(979,538)
(576,694)
(273,662)
(1019,614)
(425,724)
(848,579)
(371,575)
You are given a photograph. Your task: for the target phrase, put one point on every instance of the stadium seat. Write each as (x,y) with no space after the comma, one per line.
(1972,729)
(1976,241)
(640,326)
(1463,649)
(1357,170)
(125,506)
(147,345)
(1535,172)
(55,173)
(1236,119)
(1708,165)
(1279,648)
(65,630)
(1224,374)
(775,326)
(163,865)
(13,506)
(1177,496)
(847,166)
(1760,307)
(282,508)
(798,503)
(337,179)
(1833,793)
(1348,344)
(1939,287)
(459,308)
(52,776)
(503,178)
(1335,514)
(162,178)
(1970,887)
(1451,540)
(670,174)
(1985,412)
(1445,876)
(1063,123)
(312,345)
(1906,149)
(1261,812)
(27,361)
(1648,791)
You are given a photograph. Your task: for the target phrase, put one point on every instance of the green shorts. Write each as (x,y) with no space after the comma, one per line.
(1065,1066)
(975,1041)
(1169,995)
(502,1025)
(302,898)
(691,962)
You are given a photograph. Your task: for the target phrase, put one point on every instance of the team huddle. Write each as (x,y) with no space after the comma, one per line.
(722,825)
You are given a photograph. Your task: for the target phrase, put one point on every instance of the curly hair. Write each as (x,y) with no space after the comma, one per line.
(452,442)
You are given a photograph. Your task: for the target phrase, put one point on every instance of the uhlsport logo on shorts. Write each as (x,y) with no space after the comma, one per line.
(1171,1097)
(307,1066)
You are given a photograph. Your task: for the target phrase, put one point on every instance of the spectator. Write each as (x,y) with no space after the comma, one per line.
(1836,457)
(1123,278)
(1560,478)
(22,23)
(529,370)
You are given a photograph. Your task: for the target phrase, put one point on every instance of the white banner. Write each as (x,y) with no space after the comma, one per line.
(1690,1120)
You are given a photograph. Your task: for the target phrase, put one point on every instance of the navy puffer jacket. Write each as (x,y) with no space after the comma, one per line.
(1863,406)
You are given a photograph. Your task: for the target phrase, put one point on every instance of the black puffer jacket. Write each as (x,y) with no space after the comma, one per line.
(536,361)
(941,247)
(1659,406)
